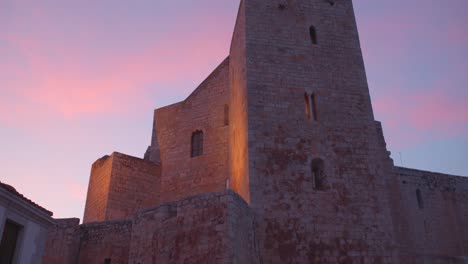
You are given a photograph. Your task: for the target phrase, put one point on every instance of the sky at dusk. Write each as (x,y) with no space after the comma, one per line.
(80,79)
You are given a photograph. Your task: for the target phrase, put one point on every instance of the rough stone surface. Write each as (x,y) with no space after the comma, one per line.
(119,186)
(438,228)
(203,110)
(62,242)
(214,228)
(207,228)
(349,219)
(106,240)
(294,168)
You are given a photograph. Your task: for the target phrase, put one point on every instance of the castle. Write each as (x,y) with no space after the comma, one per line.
(274,158)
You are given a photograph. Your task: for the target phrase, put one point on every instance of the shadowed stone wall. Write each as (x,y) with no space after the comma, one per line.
(434,216)
(345,216)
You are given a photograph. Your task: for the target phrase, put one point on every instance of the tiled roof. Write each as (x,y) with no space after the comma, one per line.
(13,191)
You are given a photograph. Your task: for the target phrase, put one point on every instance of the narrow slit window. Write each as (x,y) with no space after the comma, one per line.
(313,35)
(314,106)
(307,105)
(226,114)
(318,175)
(419,199)
(197,143)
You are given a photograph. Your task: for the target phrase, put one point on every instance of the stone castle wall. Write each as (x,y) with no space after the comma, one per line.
(207,228)
(135,185)
(105,240)
(434,216)
(348,219)
(62,242)
(292,104)
(183,175)
(98,190)
(119,186)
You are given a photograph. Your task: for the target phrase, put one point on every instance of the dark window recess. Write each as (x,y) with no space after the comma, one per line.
(420,199)
(107,261)
(426,227)
(307,105)
(226,115)
(313,35)
(197,143)
(318,174)
(314,106)
(9,239)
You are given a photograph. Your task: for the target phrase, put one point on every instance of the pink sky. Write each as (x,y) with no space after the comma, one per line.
(80,79)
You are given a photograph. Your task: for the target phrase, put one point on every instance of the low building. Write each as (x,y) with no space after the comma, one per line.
(23,227)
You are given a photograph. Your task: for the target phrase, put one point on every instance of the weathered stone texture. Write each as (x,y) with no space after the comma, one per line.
(311,179)
(62,242)
(98,190)
(119,186)
(238,133)
(183,175)
(107,240)
(349,220)
(436,226)
(207,228)
(135,185)
(199,229)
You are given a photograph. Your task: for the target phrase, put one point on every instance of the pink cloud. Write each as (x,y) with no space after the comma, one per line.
(438,108)
(64,86)
(457,34)
(77,191)
(414,117)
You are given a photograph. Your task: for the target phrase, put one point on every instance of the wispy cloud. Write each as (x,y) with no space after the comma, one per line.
(76,80)
(414,117)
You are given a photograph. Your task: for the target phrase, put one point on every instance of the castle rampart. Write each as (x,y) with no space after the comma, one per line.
(119,186)
(274,158)
(203,111)
(434,216)
(207,228)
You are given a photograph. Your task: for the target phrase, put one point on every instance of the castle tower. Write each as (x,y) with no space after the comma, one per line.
(305,150)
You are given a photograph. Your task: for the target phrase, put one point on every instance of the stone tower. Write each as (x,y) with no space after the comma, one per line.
(274,158)
(305,150)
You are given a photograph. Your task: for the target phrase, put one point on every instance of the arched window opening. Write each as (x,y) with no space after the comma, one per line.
(197,143)
(318,174)
(226,114)
(307,105)
(314,107)
(313,35)
(420,199)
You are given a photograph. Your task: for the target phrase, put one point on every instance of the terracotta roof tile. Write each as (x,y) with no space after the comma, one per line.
(13,191)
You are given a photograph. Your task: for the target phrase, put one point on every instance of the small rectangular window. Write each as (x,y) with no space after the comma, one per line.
(226,115)
(313,35)
(307,105)
(197,143)
(314,107)
(419,198)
